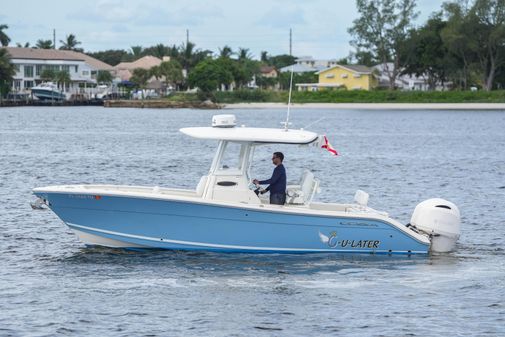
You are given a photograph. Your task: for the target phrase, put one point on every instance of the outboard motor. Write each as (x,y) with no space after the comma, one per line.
(441,220)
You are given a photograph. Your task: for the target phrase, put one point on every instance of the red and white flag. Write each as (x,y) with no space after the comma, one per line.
(326,145)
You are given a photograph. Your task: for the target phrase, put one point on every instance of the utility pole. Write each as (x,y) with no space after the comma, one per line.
(187,37)
(54,38)
(290,42)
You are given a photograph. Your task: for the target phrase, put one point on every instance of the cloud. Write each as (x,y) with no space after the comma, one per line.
(114,12)
(108,11)
(189,16)
(282,18)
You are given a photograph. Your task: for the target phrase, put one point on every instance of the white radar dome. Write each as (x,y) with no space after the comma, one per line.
(224,121)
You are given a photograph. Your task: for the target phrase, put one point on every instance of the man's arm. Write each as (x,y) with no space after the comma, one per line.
(276,175)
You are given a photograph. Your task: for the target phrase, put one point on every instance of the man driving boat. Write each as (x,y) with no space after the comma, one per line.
(277,183)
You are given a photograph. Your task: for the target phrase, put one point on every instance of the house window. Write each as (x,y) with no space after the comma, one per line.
(357,75)
(28,84)
(28,71)
(51,67)
(344,76)
(330,76)
(76,69)
(38,69)
(85,73)
(65,68)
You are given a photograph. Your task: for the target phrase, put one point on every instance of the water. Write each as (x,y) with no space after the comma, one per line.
(51,285)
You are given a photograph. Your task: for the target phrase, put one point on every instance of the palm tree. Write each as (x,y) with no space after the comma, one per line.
(172,71)
(140,77)
(264,56)
(160,50)
(173,52)
(47,74)
(225,52)
(62,77)
(7,72)
(104,76)
(4,39)
(187,55)
(26,45)
(136,52)
(44,44)
(70,43)
(156,72)
(244,54)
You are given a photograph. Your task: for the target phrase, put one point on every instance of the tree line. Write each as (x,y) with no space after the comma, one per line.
(463,43)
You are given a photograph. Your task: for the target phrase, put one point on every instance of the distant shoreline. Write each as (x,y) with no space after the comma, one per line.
(371,106)
(167,104)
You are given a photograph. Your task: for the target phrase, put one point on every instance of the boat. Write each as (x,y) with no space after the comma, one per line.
(224,213)
(48,91)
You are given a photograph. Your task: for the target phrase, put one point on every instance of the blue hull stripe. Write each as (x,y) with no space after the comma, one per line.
(118,236)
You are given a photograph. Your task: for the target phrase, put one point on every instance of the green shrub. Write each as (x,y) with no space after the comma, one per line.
(349,96)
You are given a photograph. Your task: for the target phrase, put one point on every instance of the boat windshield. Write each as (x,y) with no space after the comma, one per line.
(232,158)
(297,159)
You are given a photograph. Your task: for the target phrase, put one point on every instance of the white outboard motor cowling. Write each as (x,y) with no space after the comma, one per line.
(441,219)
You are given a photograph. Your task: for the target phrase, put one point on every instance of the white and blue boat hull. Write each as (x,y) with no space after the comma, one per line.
(163,223)
(48,95)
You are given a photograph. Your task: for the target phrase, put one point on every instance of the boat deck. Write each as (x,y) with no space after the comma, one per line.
(162,192)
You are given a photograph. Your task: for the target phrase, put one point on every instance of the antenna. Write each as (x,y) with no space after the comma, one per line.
(290,42)
(320,119)
(286,124)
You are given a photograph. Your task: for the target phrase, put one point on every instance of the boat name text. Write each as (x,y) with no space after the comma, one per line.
(373,244)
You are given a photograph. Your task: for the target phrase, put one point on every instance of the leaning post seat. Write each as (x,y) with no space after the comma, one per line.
(304,192)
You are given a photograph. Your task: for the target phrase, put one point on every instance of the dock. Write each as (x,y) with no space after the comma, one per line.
(161,104)
(30,102)
(148,104)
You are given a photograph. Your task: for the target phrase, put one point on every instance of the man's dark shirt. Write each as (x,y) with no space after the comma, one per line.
(277,182)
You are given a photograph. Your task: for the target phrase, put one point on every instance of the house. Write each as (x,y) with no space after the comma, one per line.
(31,62)
(265,79)
(350,77)
(268,72)
(124,70)
(406,82)
(307,64)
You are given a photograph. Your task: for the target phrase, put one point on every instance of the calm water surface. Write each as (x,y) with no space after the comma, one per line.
(50,284)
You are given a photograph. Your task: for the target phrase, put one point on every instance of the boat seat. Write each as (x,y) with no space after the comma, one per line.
(304,192)
(361,204)
(200,188)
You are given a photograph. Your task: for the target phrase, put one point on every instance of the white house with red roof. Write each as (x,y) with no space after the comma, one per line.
(31,62)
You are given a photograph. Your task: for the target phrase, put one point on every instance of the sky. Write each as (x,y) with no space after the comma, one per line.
(319,27)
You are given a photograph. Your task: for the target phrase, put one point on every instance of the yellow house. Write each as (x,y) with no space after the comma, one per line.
(351,77)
